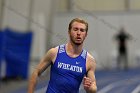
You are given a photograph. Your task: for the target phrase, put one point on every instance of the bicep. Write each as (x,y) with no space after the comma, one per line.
(42,66)
(45,62)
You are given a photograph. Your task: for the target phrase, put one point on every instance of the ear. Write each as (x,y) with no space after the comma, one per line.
(68,31)
(86,34)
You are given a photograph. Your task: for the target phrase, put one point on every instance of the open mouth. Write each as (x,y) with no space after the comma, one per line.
(78,38)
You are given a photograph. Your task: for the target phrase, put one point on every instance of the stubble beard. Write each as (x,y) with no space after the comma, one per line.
(76,43)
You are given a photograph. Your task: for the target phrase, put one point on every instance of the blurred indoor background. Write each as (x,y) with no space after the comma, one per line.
(28,28)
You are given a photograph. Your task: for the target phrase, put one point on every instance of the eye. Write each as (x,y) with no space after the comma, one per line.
(82,30)
(75,29)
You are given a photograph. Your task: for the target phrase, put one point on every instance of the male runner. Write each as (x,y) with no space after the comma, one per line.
(70,64)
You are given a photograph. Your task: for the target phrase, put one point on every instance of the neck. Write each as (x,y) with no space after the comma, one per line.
(74,49)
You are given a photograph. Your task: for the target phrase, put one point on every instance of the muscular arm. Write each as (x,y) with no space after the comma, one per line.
(90,81)
(43,64)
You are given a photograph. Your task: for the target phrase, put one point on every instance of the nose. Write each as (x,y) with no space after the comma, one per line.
(78,32)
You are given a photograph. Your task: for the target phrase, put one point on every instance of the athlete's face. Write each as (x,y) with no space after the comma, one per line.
(78,33)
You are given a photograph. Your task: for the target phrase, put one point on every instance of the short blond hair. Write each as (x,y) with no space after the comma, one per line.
(78,20)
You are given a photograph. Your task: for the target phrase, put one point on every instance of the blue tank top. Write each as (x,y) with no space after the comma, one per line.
(67,73)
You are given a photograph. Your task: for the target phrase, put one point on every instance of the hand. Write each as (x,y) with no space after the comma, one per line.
(87,83)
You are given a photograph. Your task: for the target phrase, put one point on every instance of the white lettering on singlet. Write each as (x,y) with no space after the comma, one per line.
(69,67)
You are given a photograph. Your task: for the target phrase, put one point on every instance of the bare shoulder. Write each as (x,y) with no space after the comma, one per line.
(52,53)
(90,58)
(90,63)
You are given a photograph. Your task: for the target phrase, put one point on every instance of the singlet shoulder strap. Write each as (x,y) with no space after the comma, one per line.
(84,54)
(61,48)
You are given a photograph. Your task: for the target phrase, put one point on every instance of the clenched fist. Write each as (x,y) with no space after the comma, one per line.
(89,85)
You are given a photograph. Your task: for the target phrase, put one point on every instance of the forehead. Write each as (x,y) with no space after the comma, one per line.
(78,24)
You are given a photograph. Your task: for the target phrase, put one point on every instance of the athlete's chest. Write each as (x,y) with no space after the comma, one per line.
(74,67)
